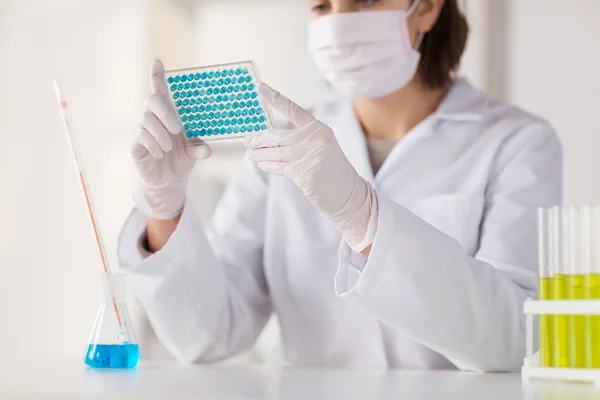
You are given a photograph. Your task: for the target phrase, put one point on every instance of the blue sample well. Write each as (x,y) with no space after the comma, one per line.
(112,355)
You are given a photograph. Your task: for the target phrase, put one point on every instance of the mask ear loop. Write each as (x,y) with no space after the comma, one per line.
(411,10)
(419,41)
(413,7)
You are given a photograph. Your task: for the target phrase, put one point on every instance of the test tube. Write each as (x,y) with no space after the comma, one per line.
(545,285)
(576,290)
(592,287)
(561,321)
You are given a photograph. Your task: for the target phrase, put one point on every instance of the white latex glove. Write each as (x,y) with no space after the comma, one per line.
(162,162)
(311,156)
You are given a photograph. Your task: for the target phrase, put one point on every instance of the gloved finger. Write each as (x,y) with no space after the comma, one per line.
(264,139)
(277,168)
(157,78)
(202,151)
(145,139)
(152,124)
(138,151)
(162,108)
(185,152)
(285,154)
(271,138)
(292,111)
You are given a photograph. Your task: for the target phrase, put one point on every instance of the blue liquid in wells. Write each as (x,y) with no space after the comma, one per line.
(112,355)
(201,99)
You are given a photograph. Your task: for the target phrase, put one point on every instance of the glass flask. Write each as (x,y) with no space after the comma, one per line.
(112,343)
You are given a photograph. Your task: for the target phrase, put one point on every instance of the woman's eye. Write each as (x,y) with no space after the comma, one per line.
(320,8)
(367,3)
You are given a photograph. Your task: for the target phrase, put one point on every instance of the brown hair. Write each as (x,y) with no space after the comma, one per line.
(443,46)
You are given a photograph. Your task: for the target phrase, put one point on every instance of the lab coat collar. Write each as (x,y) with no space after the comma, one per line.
(351,139)
(463,103)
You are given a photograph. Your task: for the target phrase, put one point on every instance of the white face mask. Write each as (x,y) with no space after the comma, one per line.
(365,54)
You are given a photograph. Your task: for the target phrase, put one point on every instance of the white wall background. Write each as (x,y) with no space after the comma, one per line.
(48,261)
(553,70)
(540,54)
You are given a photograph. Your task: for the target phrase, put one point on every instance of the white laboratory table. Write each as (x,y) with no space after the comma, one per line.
(73,381)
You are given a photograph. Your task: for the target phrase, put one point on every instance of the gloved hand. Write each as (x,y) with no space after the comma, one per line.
(162,162)
(311,156)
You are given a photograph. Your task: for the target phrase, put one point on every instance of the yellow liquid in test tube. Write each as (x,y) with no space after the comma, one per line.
(546,289)
(577,329)
(592,291)
(561,325)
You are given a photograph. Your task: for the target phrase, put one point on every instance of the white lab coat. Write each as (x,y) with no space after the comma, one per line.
(453,260)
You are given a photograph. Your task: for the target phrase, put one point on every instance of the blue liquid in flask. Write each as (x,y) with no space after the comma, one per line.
(112,355)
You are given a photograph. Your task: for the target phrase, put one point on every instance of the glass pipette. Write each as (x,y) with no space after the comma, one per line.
(84,186)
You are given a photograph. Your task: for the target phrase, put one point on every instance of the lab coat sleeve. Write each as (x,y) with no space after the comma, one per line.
(469,309)
(205,292)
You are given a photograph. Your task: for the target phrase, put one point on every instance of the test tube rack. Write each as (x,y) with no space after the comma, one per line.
(531,369)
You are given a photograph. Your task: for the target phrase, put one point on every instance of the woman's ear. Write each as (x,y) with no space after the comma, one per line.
(428,13)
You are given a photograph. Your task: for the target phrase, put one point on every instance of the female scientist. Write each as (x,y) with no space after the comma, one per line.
(394,228)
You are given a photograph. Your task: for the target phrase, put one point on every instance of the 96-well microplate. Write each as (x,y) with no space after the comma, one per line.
(218,102)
